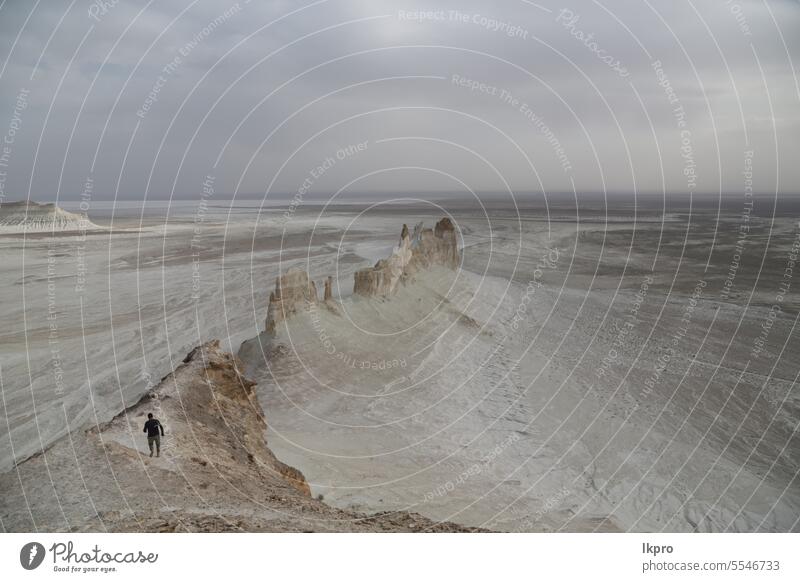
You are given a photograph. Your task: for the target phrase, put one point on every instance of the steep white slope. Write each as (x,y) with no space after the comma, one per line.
(434,401)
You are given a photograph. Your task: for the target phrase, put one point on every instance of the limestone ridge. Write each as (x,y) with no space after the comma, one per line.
(419,250)
(209,392)
(416,251)
(216,471)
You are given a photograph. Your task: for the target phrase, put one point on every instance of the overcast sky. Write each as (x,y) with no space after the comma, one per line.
(149,99)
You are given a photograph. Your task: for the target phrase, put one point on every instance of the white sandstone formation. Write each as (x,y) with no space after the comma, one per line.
(294,290)
(425,248)
(420,250)
(29,216)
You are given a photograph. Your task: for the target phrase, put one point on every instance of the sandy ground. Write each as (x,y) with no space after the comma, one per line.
(581,401)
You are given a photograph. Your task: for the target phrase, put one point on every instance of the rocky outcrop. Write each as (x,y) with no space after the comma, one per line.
(233,394)
(208,395)
(424,248)
(293,291)
(383,278)
(416,251)
(445,232)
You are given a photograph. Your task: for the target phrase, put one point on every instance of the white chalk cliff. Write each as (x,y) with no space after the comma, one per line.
(420,250)
(29,216)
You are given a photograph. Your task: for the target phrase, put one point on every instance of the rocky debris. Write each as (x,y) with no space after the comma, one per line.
(317,517)
(423,249)
(294,290)
(215,473)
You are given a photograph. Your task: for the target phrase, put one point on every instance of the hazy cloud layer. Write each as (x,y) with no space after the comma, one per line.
(147,99)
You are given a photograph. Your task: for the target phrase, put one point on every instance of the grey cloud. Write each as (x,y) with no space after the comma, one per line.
(223,75)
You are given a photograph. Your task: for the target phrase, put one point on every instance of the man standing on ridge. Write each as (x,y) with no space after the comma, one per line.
(152,428)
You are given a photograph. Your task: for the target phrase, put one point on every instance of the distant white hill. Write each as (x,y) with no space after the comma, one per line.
(32,216)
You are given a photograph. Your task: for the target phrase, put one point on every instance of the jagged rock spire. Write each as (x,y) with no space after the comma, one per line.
(294,290)
(422,250)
